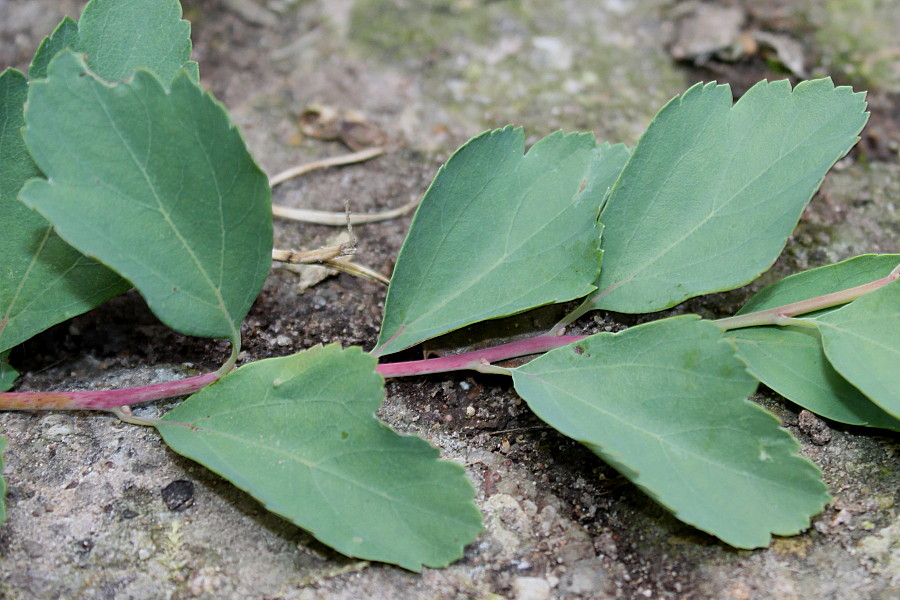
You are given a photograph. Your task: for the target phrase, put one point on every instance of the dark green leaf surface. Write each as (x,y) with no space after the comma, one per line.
(299,433)
(43,280)
(499,232)
(665,404)
(712,192)
(844,275)
(120,37)
(158,185)
(790,360)
(862,341)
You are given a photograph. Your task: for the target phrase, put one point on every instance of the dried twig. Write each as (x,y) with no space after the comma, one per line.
(332,161)
(322,217)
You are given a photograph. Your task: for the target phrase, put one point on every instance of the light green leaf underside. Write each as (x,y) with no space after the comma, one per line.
(43,280)
(862,341)
(120,37)
(299,433)
(820,281)
(790,360)
(665,404)
(499,232)
(712,192)
(158,185)
(2,481)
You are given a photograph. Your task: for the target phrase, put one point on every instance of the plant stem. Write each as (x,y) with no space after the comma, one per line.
(478,360)
(115,399)
(103,399)
(781,315)
(586,306)
(232,358)
(582,309)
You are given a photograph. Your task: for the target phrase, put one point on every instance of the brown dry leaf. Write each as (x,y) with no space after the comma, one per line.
(706,30)
(320,122)
(351,127)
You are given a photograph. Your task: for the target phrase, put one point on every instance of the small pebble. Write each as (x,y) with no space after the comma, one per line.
(531,588)
(817,430)
(178,495)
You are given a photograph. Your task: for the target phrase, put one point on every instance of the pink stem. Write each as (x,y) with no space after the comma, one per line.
(476,358)
(109,399)
(103,399)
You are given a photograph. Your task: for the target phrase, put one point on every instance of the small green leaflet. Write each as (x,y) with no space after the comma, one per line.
(8,375)
(790,360)
(712,192)
(299,433)
(862,341)
(499,232)
(120,37)
(665,404)
(158,185)
(43,280)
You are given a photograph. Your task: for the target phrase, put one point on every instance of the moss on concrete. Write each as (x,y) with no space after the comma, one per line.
(859,40)
(584,66)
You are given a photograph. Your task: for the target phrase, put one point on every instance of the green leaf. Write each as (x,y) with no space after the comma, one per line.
(820,281)
(499,232)
(193,70)
(665,404)
(43,280)
(790,360)
(121,37)
(862,341)
(2,481)
(299,433)
(712,192)
(8,375)
(158,185)
(64,36)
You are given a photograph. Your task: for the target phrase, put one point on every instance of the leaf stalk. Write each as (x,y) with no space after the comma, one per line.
(781,315)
